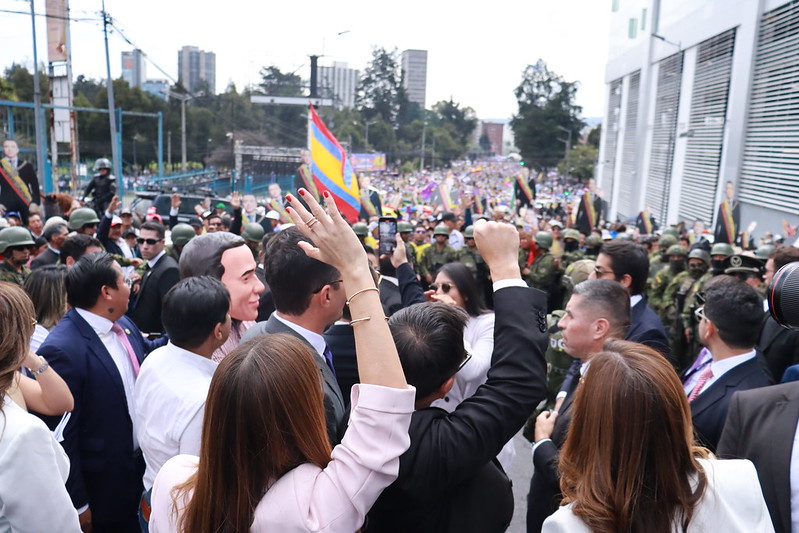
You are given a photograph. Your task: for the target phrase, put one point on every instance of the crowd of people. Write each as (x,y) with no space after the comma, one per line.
(268,369)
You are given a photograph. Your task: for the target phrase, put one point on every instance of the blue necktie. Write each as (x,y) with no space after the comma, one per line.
(329,358)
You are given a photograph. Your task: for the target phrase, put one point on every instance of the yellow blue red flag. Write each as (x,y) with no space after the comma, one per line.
(332,170)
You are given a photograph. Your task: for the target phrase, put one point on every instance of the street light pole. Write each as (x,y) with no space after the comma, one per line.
(112,116)
(568,143)
(183,134)
(37,105)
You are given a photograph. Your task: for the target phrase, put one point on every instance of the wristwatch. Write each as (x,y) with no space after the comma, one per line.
(45,366)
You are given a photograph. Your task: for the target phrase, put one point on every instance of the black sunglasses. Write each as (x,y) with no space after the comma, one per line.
(22,248)
(445,287)
(151,242)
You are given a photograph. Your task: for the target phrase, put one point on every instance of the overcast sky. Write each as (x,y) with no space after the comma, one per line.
(476,50)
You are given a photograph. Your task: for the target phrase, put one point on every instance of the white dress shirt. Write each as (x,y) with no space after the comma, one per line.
(314,339)
(152,262)
(119,354)
(179,379)
(719,368)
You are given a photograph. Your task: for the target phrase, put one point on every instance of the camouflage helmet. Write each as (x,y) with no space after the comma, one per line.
(676,249)
(81,217)
(624,237)
(722,248)
(102,163)
(182,234)
(360,229)
(404,227)
(571,233)
(468,233)
(253,232)
(15,236)
(544,239)
(764,251)
(441,229)
(667,240)
(671,231)
(578,271)
(593,240)
(698,253)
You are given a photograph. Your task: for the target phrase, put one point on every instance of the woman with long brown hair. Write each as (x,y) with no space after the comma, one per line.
(629,463)
(265,461)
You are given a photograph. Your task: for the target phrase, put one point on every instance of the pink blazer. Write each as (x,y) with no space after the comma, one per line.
(308,498)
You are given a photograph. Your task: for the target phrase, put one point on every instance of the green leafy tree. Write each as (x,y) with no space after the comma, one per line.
(485,142)
(594,136)
(546,104)
(459,121)
(380,92)
(285,124)
(579,162)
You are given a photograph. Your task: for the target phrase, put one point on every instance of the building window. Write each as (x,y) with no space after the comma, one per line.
(643,19)
(632,30)
(615,7)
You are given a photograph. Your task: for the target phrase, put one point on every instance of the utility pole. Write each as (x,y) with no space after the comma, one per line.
(421,159)
(568,143)
(37,105)
(112,116)
(169,149)
(183,133)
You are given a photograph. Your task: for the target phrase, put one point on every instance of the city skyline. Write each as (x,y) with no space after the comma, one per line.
(478,62)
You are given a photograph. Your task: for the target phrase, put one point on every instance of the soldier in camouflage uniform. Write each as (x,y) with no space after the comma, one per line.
(180,236)
(406,230)
(719,252)
(658,259)
(693,301)
(675,298)
(543,273)
(15,245)
(593,244)
(437,255)
(470,256)
(571,248)
(657,292)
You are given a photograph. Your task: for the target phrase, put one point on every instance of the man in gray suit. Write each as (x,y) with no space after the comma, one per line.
(308,297)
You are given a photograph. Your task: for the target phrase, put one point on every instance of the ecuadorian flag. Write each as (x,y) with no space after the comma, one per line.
(332,170)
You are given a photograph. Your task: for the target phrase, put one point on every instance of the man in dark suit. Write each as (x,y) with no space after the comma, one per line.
(449,479)
(628,263)
(161,274)
(779,345)
(389,287)
(596,311)
(97,350)
(761,426)
(727,330)
(55,235)
(19,186)
(308,297)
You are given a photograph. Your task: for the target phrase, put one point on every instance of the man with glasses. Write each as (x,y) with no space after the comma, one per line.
(15,245)
(628,263)
(420,241)
(160,274)
(308,297)
(729,324)
(84,221)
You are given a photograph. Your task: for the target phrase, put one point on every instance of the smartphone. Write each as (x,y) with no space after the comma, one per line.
(388,235)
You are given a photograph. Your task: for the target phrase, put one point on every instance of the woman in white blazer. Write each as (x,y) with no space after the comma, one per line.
(265,461)
(629,463)
(33,466)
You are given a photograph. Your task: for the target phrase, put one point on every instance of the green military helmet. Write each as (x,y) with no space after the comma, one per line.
(673,232)
(81,217)
(722,248)
(593,240)
(253,232)
(571,233)
(764,251)
(667,241)
(698,253)
(468,233)
(15,236)
(360,229)
(441,229)
(676,249)
(182,234)
(544,239)
(579,271)
(404,227)
(624,237)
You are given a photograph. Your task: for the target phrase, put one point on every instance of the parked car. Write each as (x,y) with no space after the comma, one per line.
(163,203)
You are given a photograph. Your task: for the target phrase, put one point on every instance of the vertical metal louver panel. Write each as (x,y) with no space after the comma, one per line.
(663,133)
(770,168)
(706,127)
(627,177)
(611,138)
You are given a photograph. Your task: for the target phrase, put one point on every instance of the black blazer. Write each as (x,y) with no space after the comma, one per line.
(761,426)
(779,346)
(335,413)
(102,235)
(647,328)
(709,409)
(389,297)
(341,341)
(449,480)
(145,308)
(98,438)
(47,257)
(544,496)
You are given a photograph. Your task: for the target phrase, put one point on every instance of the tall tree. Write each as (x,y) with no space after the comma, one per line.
(546,104)
(380,92)
(459,121)
(285,124)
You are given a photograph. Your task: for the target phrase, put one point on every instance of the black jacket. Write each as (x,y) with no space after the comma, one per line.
(779,346)
(449,479)
(145,309)
(647,328)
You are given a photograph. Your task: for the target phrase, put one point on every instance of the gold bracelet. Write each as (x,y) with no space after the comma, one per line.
(364,319)
(351,298)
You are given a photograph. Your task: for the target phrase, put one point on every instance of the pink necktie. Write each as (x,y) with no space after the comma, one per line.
(706,374)
(126,343)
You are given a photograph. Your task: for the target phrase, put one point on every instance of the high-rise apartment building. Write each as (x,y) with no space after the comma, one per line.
(339,83)
(414,70)
(133,68)
(195,65)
